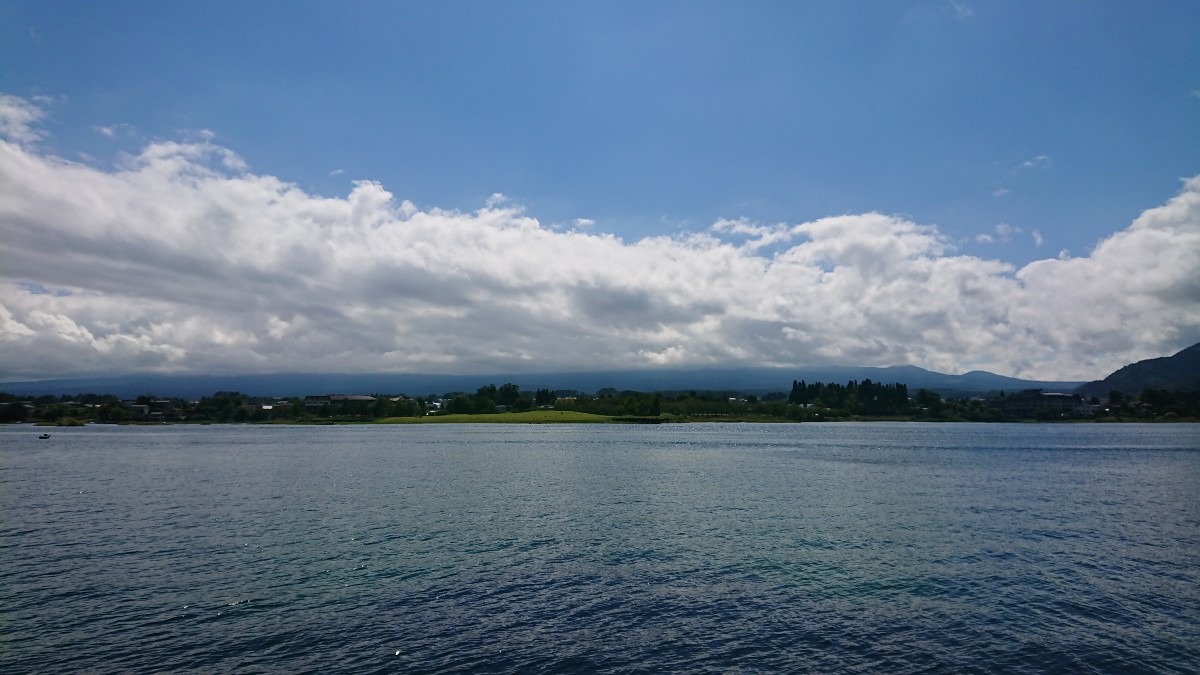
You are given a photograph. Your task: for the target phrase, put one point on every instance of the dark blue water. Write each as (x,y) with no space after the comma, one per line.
(689,548)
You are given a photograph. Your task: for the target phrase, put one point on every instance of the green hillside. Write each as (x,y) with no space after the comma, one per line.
(1180,372)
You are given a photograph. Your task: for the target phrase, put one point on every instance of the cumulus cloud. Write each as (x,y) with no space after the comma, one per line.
(183,260)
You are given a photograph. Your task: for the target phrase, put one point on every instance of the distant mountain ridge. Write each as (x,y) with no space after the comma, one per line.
(1179,372)
(745,380)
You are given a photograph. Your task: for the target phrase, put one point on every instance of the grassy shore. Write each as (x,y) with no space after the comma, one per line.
(529,417)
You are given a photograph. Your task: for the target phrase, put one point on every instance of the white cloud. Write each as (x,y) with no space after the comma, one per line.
(1002,232)
(1038,239)
(18,120)
(1039,162)
(183,260)
(113,131)
(961,10)
(1033,163)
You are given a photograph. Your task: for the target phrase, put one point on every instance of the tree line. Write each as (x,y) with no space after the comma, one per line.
(805,401)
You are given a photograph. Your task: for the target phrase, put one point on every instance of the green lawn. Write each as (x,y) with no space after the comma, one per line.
(530,417)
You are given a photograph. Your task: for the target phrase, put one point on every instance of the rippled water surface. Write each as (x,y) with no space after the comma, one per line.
(690,548)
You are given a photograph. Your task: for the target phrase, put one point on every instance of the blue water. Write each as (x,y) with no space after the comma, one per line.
(679,548)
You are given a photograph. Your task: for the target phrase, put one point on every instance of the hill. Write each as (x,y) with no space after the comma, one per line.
(1180,372)
(756,381)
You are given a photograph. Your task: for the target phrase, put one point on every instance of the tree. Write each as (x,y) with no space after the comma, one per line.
(112,412)
(507,394)
(12,411)
(461,405)
(222,406)
(382,407)
(484,405)
(929,400)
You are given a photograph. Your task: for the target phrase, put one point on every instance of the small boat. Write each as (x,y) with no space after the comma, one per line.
(43,437)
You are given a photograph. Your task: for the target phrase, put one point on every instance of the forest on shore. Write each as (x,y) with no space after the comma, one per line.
(805,402)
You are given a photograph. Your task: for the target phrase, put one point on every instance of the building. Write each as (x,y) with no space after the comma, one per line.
(1038,403)
(335,401)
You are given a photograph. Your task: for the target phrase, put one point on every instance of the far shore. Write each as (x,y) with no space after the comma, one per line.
(573,417)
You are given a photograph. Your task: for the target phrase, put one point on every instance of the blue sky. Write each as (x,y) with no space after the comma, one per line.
(1068,118)
(1019,130)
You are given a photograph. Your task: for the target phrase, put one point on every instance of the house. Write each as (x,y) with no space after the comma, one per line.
(136,410)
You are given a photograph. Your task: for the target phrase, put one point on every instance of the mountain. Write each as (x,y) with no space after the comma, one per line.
(744,380)
(1180,372)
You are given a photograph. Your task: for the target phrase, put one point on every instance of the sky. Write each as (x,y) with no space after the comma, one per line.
(471,187)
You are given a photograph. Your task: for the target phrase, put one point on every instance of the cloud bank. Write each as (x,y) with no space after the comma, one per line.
(180,259)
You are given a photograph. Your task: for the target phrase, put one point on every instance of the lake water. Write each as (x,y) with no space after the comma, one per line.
(875,547)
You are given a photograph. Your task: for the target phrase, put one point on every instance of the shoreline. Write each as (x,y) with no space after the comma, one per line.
(570,417)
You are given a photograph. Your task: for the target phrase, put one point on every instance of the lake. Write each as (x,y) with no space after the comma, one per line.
(875,547)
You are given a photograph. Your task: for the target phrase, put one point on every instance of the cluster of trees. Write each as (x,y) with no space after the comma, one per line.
(490,399)
(237,407)
(232,406)
(688,405)
(616,404)
(855,398)
(222,406)
(64,409)
(1153,403)
(814,401)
